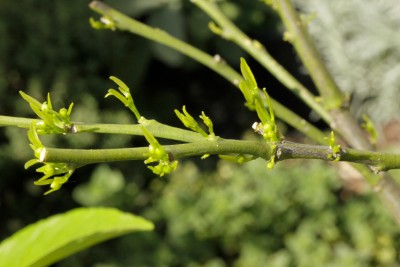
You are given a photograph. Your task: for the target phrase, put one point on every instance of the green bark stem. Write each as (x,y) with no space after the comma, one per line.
(257,149)
(157,129)
(221,146)
(377,161)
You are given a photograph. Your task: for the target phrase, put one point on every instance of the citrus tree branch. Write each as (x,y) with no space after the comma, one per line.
(123,22)
(255,149)
(220,146)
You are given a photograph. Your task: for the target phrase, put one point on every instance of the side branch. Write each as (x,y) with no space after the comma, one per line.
(156,128)
(126,23)
(298,35)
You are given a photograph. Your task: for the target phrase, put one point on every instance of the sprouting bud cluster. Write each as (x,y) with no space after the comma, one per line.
(255,100)
(53,122)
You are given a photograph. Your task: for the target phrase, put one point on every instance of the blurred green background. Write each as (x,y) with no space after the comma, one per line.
(207,213)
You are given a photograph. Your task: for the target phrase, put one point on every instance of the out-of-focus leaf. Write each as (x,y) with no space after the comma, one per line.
(54,238)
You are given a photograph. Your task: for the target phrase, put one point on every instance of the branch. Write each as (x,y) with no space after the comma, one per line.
(221,146)
(256,149)
(156,128)
(124,22)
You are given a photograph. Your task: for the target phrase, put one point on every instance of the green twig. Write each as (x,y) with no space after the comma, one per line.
(157,129)
(124,22)
(16,121)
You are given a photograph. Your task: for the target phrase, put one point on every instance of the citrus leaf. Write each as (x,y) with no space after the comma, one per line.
(59,236)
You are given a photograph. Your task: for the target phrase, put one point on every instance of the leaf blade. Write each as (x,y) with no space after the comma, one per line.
(59,236)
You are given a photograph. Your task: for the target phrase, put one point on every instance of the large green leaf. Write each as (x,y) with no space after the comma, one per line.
(54,238)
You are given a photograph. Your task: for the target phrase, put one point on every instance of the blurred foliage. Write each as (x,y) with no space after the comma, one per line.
(361,44)
(208,214)
(104,183)
(243,215)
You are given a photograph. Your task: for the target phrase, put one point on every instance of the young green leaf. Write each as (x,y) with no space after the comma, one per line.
(207,121)
(247,74)
(190,122)
(124,95)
